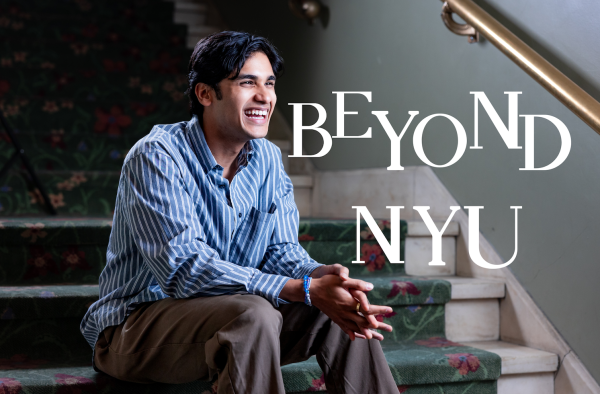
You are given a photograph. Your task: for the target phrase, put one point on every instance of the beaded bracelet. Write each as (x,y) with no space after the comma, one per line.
(307,280)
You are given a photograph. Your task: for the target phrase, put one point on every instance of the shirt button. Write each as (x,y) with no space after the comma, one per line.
(239,215)
(222,186)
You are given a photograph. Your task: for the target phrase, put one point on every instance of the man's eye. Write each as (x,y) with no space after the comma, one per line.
(247,83)
(271,83)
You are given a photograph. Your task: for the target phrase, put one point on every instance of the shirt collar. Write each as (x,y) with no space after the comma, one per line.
(203,153)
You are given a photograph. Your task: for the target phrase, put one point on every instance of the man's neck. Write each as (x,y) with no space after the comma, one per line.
(225,151)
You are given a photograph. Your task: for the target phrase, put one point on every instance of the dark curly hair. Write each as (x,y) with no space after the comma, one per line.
(219,55)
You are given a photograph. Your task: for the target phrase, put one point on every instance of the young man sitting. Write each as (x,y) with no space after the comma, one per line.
(204,272)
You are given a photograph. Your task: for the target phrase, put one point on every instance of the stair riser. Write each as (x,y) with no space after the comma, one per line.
(473,320)
(37,265)
(419,253)
(46,340)
(534,383)
(94,196)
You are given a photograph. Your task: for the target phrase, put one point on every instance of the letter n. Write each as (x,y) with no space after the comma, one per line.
(392,248)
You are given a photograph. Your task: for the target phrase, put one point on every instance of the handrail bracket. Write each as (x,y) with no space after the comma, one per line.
(462,29)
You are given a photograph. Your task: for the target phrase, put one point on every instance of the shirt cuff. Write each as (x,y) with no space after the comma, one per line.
(269,286)
(306,269)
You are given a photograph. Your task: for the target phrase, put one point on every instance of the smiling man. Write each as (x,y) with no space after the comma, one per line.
(204,272)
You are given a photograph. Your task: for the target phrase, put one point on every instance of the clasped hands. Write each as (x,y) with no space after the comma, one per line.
(336,295)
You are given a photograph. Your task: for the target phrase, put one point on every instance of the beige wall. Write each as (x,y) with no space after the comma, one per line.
(401,51)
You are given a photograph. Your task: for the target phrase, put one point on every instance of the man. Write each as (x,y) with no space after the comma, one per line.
(204,272)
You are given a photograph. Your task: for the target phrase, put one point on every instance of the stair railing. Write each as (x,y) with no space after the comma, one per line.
(19,153)
(559,85)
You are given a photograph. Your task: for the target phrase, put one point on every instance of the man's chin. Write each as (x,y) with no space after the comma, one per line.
(257,132)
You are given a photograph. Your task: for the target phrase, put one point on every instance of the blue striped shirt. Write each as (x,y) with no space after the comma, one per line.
(181,230)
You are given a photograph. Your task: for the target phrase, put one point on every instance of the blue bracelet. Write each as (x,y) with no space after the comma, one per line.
(307,280)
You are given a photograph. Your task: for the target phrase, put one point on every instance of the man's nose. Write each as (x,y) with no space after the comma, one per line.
(263,95)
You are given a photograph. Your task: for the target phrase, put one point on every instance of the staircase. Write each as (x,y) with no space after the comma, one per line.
(81,82)
(445,328)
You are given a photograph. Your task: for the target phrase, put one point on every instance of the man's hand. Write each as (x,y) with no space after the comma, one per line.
(332,296)
(335,269)
(360,296)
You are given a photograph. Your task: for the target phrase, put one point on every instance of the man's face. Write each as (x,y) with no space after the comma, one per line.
(247,102)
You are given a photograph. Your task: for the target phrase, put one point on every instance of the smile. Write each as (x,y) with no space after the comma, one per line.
(256,114)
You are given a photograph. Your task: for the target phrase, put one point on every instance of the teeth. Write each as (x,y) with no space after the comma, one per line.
(256,112)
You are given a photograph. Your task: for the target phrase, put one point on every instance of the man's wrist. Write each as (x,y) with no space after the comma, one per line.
(293,291)
(316,272)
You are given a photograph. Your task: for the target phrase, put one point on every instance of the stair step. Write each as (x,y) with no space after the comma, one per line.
(136,118)
(92,86)
(53,301)
(46,302)
(518,359)
(423,363)
(103,58)
(417,303)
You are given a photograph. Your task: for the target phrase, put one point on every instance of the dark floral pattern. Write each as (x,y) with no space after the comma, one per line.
(9,386)
(464,362)
(73,258)
(111,122)
(318,384)
(34,230)
(69,384)
(40,263)
(373,257)
(403,287)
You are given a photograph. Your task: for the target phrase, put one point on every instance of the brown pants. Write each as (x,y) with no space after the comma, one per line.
(244,340)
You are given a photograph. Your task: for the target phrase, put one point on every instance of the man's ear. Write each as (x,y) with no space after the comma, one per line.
(204,93)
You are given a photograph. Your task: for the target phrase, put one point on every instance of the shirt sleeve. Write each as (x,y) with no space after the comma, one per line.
(284,255)
(169,236)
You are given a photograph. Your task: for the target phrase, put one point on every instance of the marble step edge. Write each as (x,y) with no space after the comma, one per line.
(517,359)
(462,288)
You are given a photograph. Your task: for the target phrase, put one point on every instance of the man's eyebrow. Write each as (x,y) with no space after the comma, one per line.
(254,77)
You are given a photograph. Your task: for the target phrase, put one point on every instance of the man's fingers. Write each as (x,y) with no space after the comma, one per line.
(359,320)
(339,270)
(377,336)
(344,273)
(357,284)
(379,310)
(362,298)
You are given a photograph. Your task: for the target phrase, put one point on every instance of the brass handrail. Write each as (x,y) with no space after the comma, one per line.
(559,85)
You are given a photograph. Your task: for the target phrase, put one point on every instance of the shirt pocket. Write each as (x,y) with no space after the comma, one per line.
(252,237)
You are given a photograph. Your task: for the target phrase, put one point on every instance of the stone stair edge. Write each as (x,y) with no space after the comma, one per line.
(91,378)
(462,288)
(517,359)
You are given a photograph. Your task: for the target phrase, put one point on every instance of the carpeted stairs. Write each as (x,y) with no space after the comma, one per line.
(81,81)
(48,274)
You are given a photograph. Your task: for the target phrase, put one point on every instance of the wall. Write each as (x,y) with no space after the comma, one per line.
(401,51)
